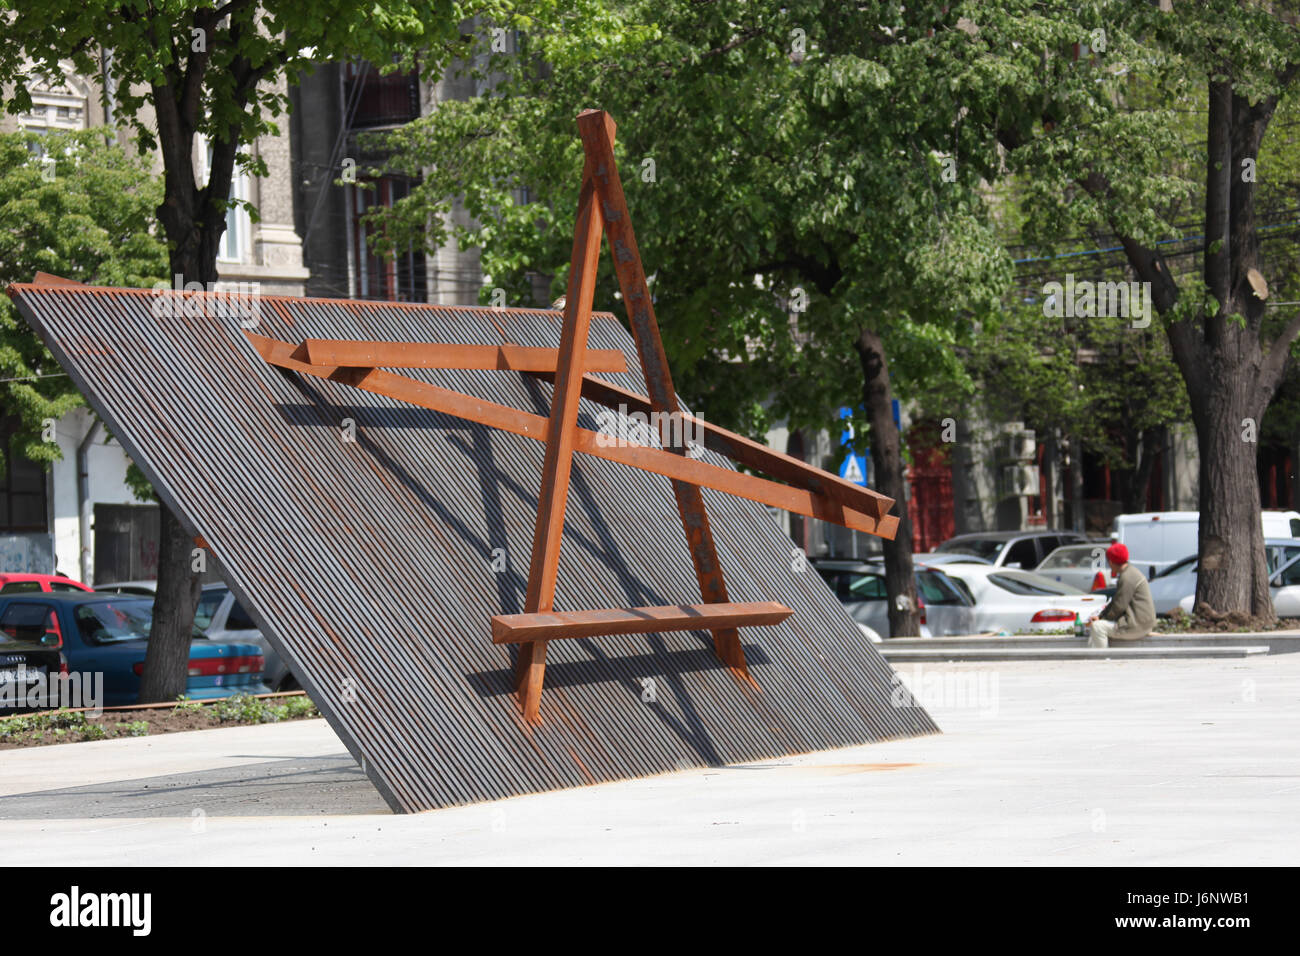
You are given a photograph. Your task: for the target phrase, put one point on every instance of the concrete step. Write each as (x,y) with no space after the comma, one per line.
(1277,642)
(905,655)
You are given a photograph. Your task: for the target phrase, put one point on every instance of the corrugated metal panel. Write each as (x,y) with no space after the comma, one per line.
(368,564)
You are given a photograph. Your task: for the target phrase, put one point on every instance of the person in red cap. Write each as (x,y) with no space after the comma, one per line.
(1131,613)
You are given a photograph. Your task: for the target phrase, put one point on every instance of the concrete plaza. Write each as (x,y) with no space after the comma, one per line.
(1143,762)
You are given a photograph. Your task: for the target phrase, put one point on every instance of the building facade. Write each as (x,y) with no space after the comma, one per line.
(79,517)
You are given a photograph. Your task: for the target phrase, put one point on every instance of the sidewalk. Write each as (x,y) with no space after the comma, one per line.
(1131,763)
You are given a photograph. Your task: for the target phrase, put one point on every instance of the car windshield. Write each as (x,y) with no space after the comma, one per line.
(1073,557)
(1180,567)
(1278,555)
(988,548)
(1021,582)
(867,587)
(937,588)
(105,622)
(209,600)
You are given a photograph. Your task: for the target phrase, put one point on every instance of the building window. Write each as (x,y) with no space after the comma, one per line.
(381,99)
(235,240)
(22,487)
(399,279)
(54,110)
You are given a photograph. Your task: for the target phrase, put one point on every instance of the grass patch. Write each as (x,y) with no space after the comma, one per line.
(63,726)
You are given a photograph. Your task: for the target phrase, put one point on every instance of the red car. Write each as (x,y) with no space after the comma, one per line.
(18,583)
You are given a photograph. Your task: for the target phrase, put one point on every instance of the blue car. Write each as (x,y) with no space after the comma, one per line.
(109,633)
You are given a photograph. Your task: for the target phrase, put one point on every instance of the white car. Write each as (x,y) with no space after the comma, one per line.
(1158,539)
(945,609)
(940,558)
(1007,599)
(1172,585)
(1081,566)
(1284,586)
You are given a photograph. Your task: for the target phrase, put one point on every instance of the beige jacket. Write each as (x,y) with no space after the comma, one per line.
(1132,609)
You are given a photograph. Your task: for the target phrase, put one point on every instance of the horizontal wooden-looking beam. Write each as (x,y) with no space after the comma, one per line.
(796,500)
(745,451)
(514,358)
(557,625)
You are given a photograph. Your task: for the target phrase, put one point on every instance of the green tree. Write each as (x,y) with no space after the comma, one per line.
(75,205)
(1090,101)
(184,70)
(808,206)
(1110,389)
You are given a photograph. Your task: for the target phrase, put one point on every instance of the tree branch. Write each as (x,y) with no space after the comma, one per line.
(1274,364)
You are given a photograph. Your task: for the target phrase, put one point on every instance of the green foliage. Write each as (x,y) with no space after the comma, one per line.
(175,49)
(255,710)
(76,205)
(63,726)
(1097,379)
(796,151)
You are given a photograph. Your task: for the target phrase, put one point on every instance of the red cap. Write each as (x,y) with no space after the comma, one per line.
(1117,554)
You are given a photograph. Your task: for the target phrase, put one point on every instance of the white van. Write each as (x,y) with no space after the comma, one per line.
(1157,539)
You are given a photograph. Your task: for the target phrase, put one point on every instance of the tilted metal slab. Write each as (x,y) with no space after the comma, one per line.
(374,565)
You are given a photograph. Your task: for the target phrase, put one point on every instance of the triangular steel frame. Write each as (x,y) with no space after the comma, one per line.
(602,212)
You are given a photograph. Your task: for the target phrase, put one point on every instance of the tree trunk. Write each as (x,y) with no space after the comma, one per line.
(1233,574)
(1138,492)
(886,454)
(166,661)
(166,669)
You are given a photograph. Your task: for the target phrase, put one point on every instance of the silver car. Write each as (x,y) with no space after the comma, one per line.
(1170,586)
(1011,549)
(222,618)
(946,608)
(1079,565)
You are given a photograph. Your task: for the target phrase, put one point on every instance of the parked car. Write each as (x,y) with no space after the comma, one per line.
(1170,586)
(935,558)
(222,618)
(1082,566)
(29,651)
(110,634)
(1007,599)
(1011,549)
(1283,586)
(861,586)
(144,588)
(48,583)
(1156,540)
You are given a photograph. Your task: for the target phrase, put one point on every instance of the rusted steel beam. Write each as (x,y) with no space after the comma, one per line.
(597,130)
(743,450)
(557,625)
(530,669)
(49,278)
(515,358)
(528,425)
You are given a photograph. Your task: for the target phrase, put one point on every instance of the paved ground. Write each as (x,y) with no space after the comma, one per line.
(1079,762)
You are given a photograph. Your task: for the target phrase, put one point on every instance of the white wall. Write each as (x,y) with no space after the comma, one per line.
(106,466)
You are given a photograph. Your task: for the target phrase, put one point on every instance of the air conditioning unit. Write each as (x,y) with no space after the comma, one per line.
(1017,481)
(1017,446)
